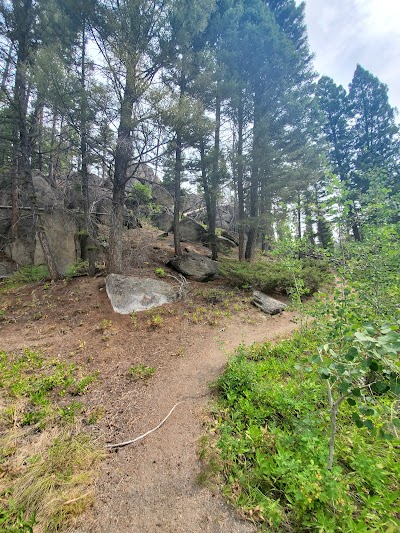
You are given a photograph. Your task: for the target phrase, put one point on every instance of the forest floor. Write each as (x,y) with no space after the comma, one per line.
(152,485)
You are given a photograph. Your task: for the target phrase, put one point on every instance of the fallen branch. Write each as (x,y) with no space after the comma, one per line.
(122,444)
(183,283)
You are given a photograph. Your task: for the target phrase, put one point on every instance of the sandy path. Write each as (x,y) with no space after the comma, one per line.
(151,486)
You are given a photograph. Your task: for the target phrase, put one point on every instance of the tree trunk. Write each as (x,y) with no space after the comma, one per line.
(212,221)
(177,190)
(240,181)
(204,179)
(52,150)
(48,256)
(254,181)
(87,244)
(123,156)
(298,214)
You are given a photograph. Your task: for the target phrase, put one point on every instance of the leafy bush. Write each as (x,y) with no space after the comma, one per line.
(28,274)
(78,269)
(272,425)
(274,276)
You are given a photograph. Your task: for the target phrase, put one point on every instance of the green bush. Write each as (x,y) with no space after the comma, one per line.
(272,428)
(274,276)
(27,274)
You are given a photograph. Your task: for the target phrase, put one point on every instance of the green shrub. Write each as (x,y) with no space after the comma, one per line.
(78,269)
(272,427)
(28,274)
(274,276)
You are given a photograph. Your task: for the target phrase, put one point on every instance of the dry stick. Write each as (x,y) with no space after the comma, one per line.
(122,444)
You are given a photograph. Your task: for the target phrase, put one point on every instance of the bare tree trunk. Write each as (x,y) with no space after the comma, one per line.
(40,138)
(52,150)
(123,156)
(14,186)
(177,200)
(254,182)
(87,245)
(240,181)
(212,221)
(204,179)
(57,160)
(44,242)
(298,213)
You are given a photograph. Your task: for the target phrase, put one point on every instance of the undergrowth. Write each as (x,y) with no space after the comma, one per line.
(272,426)
(28,274)
(274,275)
(47,460)
(307,430)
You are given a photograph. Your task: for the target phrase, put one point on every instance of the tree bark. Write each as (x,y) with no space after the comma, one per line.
(254,181)
(212,221)
(240,181)
(204,179)
(177,191)
(123,156)
(52,149)
(87,242)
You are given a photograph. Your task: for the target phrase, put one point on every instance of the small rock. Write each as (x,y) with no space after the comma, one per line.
(268,305)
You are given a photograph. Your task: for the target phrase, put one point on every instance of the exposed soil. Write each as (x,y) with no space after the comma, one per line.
(152,485)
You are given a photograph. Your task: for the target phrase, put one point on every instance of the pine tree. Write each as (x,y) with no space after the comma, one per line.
(374,131)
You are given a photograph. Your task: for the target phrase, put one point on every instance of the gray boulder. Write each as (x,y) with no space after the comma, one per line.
(268,305)
(163,221)
(231,237)
(128,293)
(46,195)
(7,269)
(61,231)
(195,266)
(224,243)
(192,231)
(162,197)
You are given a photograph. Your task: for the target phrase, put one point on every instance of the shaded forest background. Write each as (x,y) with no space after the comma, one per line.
(219,97)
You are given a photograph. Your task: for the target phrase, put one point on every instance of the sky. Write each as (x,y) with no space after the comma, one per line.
(343,33)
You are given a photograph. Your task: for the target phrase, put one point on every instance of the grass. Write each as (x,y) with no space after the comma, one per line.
(141,372)
(211,306)
(47,462)
(270,427)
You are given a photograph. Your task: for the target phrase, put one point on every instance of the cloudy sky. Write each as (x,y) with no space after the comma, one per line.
(343,33)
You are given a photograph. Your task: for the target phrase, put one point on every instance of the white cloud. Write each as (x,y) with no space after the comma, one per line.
(343,33)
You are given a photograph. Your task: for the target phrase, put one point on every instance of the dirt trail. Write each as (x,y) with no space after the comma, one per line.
(151,486)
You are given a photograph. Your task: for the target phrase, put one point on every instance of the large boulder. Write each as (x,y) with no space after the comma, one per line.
(128,293)
(162,197)
(163,221)
(195,266)
(230,236)
(192,231)
(143,172)
(7,268)
(268,305)
(225,244)
(46,195)
(61,231)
